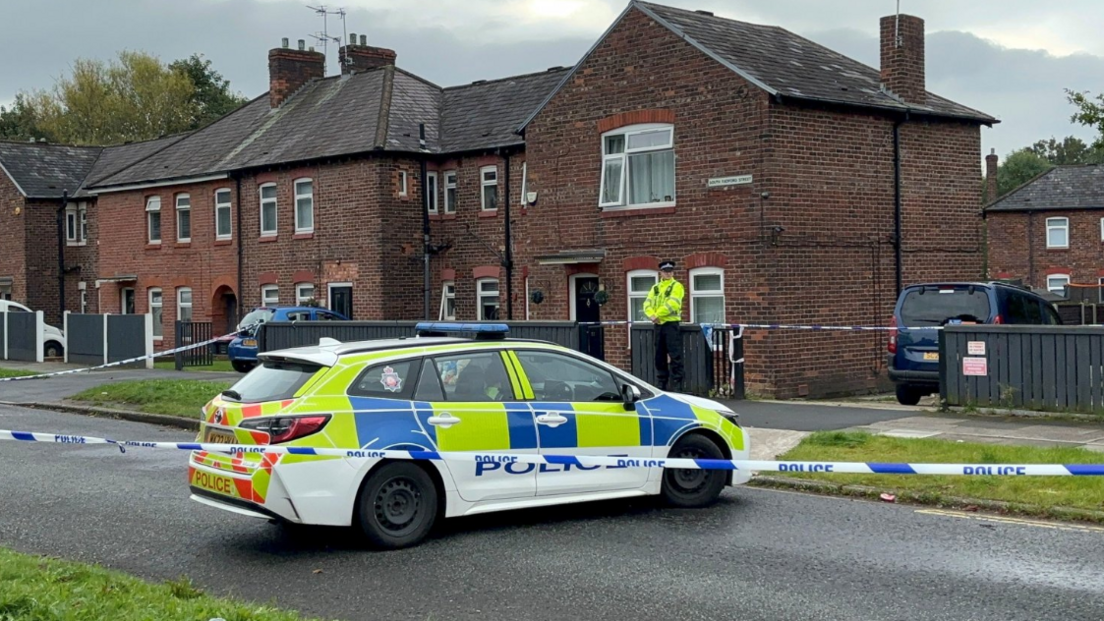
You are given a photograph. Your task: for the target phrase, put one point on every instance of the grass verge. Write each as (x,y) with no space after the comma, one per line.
(15,373)
(173,397)
(1035,495)
(218,366)
(42,588)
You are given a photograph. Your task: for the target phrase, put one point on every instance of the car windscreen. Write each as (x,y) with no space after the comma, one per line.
(260,314)
(935,307)
(272,381)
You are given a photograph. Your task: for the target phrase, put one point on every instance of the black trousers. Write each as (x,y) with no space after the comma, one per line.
(668,343)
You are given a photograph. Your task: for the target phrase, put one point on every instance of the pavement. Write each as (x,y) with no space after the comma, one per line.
(757,554)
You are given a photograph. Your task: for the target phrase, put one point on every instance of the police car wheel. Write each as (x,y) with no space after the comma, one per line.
(693,488)
(397,506)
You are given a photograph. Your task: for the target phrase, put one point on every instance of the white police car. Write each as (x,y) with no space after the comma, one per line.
(487,394)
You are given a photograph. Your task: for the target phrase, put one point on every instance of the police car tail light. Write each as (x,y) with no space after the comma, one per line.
(287,428)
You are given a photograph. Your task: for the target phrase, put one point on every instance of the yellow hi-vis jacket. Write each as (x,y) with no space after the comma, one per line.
(664,301)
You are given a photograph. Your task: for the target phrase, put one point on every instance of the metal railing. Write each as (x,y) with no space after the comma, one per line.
(188,332)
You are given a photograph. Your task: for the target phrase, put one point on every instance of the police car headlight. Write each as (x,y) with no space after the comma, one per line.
(286,428)
(729,414)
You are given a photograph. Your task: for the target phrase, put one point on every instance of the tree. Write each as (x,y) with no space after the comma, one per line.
(212,98)
(1071,150)
(1090,113)
(1018,168)
(20,121)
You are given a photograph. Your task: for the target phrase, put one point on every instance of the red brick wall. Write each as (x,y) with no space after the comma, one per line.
(1017,247)
(12,238)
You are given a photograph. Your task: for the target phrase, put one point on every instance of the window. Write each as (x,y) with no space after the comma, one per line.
(707,303)
(1022,310)
(489,180)
(268,210)
(556,377)
(184,304)
(448,301)
(153,219)
(524,184)
(1057,232)
(6,291)
(1056,283)
(270,295)
(304,206)
(156,304)
(640,283)
(76,225)
(304,292)
(83,301)
(402,183)
(1102,229)
(933,306)
(274,381)
(638,167)
(83,212)
(183,218)
(1100,290)
(431,191)
(126,303)
(488,298)
(390,380)
(450,192)
(224,227)
(476,377)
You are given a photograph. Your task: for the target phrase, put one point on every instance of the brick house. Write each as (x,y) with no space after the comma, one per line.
(1049,232)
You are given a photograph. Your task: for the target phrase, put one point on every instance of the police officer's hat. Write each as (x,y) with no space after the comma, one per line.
(667,266)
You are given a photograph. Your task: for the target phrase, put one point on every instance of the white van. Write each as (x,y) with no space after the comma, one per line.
(53,339)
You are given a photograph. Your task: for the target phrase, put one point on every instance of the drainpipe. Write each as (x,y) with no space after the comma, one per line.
(425,222)
(241,252)
(1031,249)
(897,244)
(61,251)
(509,262)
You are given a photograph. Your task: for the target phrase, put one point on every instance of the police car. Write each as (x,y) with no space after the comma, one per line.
(443,392)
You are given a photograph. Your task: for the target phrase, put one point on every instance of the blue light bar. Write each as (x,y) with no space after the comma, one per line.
(443,328)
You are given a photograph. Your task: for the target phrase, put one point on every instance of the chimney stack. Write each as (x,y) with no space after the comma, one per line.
(289,70)
(354,57)
(903,57)
(991,176)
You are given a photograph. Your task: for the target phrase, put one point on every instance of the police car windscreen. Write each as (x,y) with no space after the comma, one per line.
(274,381)
(934,307)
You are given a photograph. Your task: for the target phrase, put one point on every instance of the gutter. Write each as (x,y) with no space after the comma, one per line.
(155,184)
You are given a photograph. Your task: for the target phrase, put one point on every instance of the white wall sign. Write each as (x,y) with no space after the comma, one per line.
(975,348)
(978,367)
(717,182)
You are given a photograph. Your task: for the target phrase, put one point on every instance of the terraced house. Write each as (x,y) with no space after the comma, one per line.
(788,182)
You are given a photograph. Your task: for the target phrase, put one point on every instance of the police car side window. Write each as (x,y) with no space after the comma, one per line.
(429,384)
(390,380)
(556,377)
(476,377)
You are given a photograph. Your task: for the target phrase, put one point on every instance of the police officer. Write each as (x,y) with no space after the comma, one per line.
(664,307)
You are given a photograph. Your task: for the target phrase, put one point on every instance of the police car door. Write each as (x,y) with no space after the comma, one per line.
(467,402)
(579,411)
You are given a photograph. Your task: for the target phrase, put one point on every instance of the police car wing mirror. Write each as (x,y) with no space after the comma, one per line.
(630,395)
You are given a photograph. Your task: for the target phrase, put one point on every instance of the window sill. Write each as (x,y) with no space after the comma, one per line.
(153,245)
(224,242)
(636,211)
(267,239)
(158,338)
(447,216)
(183,244)
(1066,249)
(309,235)
(488,213)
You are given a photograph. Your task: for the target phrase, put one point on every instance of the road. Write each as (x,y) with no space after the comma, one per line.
(757,554)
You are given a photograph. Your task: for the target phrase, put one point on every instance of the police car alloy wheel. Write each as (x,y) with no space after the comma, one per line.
(397,506)
(693,488)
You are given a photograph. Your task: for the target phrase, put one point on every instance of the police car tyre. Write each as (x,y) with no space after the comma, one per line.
(908,395)
(693,488)
(397,506)
(241,366)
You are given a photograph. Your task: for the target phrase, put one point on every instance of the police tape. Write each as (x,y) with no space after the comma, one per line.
(583,462)
(119,363)
(776,326)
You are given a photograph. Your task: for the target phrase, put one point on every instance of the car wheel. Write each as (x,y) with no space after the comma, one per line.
(241,367)
(908,395)
(53,350)
(397,506)
(693,488)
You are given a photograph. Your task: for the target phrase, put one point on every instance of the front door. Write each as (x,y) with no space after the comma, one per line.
(586,308)
(127,305)
(341,300)
(230,303)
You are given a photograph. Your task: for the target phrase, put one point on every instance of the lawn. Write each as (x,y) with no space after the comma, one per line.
(1042,493)
(42,588)
(174,397)
(15,373)
(219,366)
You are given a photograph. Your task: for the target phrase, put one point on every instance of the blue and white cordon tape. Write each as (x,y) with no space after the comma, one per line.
(589,461)
(775,326)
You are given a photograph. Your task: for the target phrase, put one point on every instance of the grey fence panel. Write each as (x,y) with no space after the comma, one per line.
(2,322)
(697,358)
(22,337)
(284,335)
(126,337)
(85,339)
(564,333)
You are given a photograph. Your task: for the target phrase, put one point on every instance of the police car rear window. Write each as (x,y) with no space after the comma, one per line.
(272,381)
(935,307)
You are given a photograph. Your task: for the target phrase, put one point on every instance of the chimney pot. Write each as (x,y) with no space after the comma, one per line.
(284,42)
(902,71)
(352,38)
(364,39)
(302,44)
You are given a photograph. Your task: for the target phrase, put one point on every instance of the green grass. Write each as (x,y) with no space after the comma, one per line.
(1041,492)
(219,366)
(15,373)
(174,397)
(39,589)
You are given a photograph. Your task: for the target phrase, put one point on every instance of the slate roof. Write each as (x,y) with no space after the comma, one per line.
(486,113)
(116,158)
(47,170)
(1059,189)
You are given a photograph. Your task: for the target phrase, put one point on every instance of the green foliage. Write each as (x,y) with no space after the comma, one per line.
(1018,168)
(211,98)
(1070,150)
(1090,113)
(172,397)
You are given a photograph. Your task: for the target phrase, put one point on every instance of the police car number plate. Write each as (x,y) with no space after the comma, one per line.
(931,355)
(219,436)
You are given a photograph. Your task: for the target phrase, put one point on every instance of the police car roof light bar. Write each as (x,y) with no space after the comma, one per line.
(480,330)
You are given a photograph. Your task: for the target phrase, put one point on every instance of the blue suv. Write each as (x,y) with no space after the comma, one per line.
(242,351)
(913,359)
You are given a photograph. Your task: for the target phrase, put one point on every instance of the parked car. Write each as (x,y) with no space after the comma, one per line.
(913,359)
(53,339)
(242,350)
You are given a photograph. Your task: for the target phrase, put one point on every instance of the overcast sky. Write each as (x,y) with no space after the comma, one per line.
(1009,58)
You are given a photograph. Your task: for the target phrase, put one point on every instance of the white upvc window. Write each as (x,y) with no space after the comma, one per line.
(184,304)
(270,295)
(268,210)
(1057,232)
(524,184)
(707,301)
(82,215)
(156,306)
(224,222)
(1102,229)
(183,218)
(431,191)
(448,301)
(304,206)
(640,283)
(487,291)
(76,224)
(153,219)
(488,176)
(83,301)
(402,183)
(450,191)
(638,167)
(304,292)
(1056,283)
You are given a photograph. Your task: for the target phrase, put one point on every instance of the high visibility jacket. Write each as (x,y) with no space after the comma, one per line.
(664,301)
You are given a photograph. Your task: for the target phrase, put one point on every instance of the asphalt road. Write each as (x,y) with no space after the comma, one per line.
(813,416)
(757,554)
